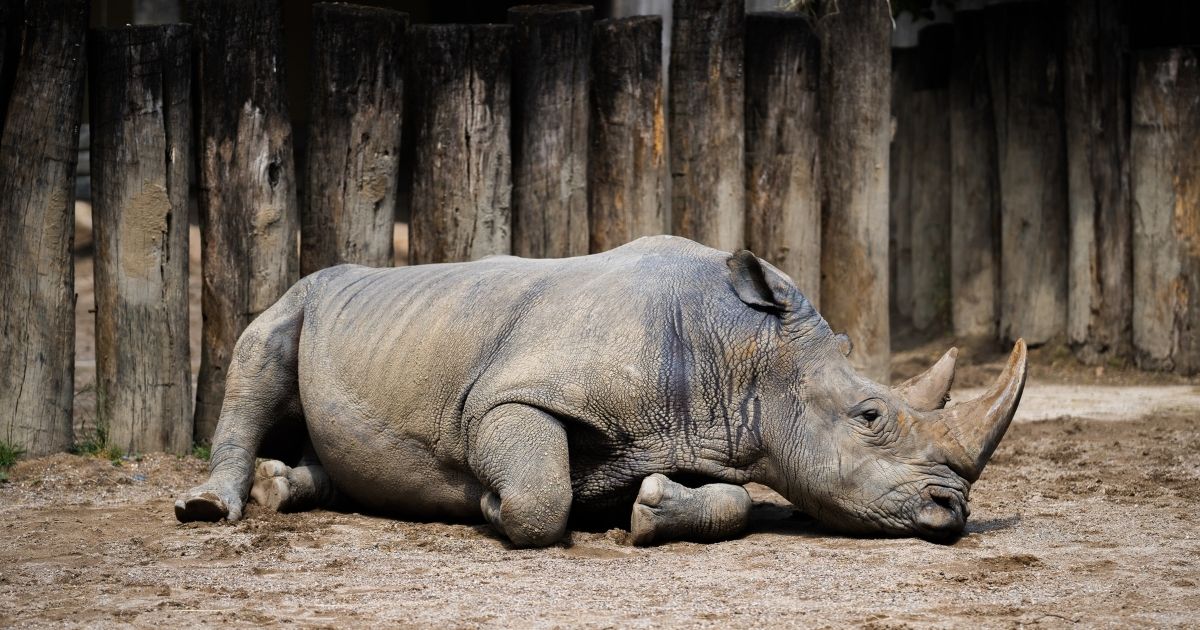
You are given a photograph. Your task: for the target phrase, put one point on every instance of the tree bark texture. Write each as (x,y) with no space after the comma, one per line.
(930,231)
(12,16)
(974,185)
(357,105)
(1166,209)
(37,200)
(551,70)
(1025,71)
(141,126)
(1100,282)
(462,168)
(855,100)
(708,189)
(783,188)
(248,213)
(900,160)
(627,167)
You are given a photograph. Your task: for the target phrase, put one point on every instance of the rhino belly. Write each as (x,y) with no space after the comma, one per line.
(384,464)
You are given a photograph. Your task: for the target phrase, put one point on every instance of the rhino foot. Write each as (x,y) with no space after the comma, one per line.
(271,487)
(286,489)
(208,502)
(665,510)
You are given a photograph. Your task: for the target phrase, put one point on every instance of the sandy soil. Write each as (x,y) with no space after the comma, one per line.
(1087,515)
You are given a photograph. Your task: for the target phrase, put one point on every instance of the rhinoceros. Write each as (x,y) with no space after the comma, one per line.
(650,381)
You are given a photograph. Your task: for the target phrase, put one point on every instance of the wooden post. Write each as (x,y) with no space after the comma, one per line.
(1100,294)
(974,193)
(142,147)
(855,131)
(708,185)
(248,211)
(354,145)
(1166,209)
(930,231)
(1025,70)
(550,78)
(462,178)
(627,167)
(37,201)
(904,136)
(783,190)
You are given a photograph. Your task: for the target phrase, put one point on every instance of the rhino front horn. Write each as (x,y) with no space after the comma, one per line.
(974,428)
(931,389)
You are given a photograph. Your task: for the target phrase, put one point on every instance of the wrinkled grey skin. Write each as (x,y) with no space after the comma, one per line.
(524,391)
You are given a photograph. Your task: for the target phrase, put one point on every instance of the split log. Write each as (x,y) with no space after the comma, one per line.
(1100,285)
(904,136)
(708,185)
(248,214)
(855,104)
(627,167)
(1165,162)
(37,201)
(974,185)
(1024,55)
(930,169)
(462,177)
(783,190)
(141,126)
(551,60)
(357,105)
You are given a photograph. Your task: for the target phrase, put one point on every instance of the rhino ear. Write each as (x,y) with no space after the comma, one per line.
(757,283)
(844,345)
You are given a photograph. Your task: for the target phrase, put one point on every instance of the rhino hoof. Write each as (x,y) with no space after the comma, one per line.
(201,506)
(644,523)
(271,486)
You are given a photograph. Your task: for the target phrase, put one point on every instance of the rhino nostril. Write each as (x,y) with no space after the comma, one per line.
(941,516)
(943,500)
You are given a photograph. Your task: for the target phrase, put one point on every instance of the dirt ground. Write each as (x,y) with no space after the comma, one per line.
(1086,515)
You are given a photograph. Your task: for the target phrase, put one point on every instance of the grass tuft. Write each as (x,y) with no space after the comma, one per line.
(96,445)
(9,454)
(202,451)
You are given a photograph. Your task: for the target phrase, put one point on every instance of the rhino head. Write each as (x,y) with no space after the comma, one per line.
(857,455)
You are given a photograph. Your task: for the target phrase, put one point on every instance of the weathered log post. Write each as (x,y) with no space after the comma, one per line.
(930,230)
(1165,160)
(1100,285)
(357,105)
(900,166)
(37,200)
(708,185)
(783,186)
(855,99)
(974,192)
(550,80)
(627,167)
(248,213)
(462,165)
(1025,70)
(141,122)
(12,17)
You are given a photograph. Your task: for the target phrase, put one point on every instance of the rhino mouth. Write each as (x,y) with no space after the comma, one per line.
(941,514)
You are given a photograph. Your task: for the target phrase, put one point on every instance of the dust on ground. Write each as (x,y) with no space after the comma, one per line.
(1086,515)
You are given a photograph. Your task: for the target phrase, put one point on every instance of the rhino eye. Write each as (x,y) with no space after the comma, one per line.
(869,416)
(869,413)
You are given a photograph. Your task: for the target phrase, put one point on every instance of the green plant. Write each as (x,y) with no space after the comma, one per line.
(202,451)
(97,445)
(9,453)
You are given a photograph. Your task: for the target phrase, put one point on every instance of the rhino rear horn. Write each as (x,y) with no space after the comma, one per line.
(930,390)
(973,429)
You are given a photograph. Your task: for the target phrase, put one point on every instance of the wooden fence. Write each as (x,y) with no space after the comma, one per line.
(553,136)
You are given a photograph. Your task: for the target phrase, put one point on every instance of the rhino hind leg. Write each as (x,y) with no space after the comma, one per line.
(286,488)
(261,395)
(519,454)
(666,510)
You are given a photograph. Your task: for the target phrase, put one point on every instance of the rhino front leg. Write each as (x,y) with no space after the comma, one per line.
(519,453)
(666,510)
